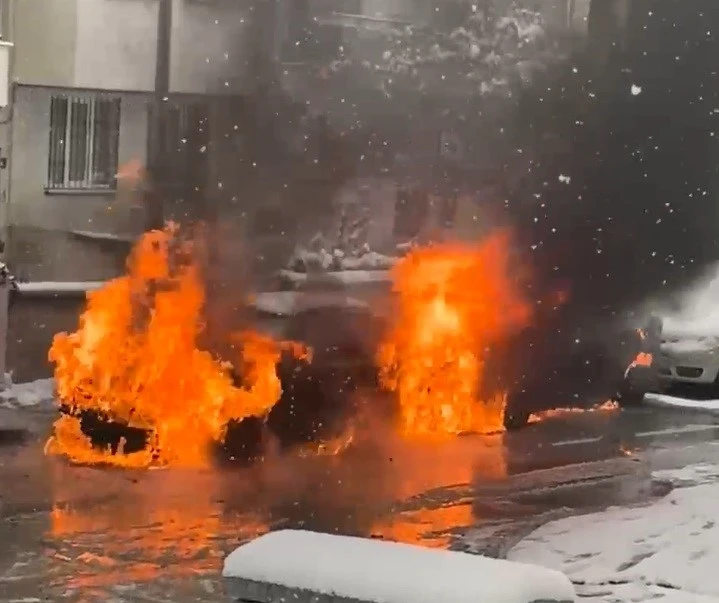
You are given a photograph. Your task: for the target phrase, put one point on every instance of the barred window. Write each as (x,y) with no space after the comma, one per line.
(84,139)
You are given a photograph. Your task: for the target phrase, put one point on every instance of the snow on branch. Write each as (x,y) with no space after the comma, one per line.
(486,54)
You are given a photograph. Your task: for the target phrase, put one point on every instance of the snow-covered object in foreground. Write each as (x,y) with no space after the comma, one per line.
(681,403)
(666,552)
(296,565)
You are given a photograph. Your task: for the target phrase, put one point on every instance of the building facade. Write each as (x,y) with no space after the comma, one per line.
(83,72)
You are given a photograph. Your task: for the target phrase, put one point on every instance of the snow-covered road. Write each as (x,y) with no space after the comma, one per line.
(667,552)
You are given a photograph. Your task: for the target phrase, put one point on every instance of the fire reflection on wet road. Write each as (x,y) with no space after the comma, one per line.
(92,534)
(109,534)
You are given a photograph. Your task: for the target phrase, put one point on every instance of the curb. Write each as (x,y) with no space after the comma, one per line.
(499,539)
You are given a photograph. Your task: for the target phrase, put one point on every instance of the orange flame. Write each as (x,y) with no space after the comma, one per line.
(605,407)
(642,359)
(453,301)
(135,359)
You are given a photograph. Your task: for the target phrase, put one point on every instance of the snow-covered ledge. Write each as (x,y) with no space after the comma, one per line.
(296,565)
(58,288)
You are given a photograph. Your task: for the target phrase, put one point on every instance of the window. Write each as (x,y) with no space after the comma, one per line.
(183,146)
(84,137)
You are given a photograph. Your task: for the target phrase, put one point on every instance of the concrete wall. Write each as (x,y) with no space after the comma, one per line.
(115,45)
(44,33)
(210,46)
(111,44)
(41,247)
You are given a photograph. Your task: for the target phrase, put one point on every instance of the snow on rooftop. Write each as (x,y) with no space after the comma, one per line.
(668,551)
(388,572)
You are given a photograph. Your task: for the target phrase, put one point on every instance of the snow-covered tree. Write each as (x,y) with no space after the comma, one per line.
(478,55)
(390,83)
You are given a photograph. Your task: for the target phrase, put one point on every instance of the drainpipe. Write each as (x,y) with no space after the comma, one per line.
(8,35)
(156,134)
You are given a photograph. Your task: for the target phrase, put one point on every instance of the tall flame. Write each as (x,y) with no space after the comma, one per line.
(453,302)
(135,359)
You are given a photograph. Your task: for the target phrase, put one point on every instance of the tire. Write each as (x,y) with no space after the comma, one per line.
(630,399)
(637,382)
(515,420)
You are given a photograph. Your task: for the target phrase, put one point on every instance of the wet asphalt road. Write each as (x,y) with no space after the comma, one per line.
(82,533)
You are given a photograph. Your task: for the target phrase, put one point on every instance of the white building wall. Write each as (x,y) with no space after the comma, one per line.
(116,44)
(210,46)
(43,32)
(112,44)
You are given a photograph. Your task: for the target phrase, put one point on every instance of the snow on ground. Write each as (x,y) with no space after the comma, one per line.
(371,570)
(28,395)
(691,475)
(666,552)
(684,403)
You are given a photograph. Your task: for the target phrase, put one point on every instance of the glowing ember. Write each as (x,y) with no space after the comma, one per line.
(453,302)
(604,407)
(333,447)
(135,360)
(643,358)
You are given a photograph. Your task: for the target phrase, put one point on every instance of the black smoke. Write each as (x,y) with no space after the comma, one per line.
(619,201)
(616,202)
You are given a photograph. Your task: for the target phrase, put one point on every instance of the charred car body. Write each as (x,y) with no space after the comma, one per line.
(322,397)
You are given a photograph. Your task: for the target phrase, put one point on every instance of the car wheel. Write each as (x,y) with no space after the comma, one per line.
(638,381)
(515,419)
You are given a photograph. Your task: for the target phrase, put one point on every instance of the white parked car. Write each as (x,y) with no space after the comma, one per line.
(684,356)
(688,352)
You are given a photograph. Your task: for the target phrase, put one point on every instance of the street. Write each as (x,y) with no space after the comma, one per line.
(91,533)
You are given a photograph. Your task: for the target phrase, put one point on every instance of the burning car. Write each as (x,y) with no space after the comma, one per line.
(456,347)
(137,380)
(581,368)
